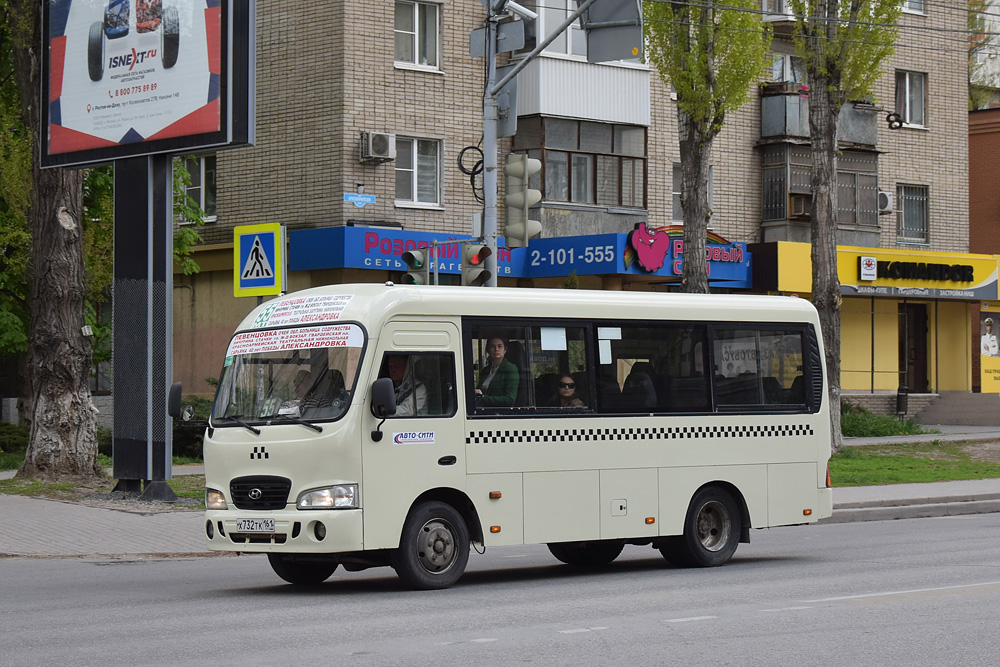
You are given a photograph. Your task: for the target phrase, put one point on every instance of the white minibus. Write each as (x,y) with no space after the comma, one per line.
(364,425)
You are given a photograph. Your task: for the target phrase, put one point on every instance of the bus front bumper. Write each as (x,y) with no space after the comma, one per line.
(285,531)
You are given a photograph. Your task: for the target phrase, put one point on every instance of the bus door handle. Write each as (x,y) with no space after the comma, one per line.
(447,460)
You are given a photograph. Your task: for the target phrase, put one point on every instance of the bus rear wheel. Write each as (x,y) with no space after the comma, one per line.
(433,548)
(586,554)
(711,531)
(301,573)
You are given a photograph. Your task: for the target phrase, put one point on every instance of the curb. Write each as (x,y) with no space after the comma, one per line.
(913,509)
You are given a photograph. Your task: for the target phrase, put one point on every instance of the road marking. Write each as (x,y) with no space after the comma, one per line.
(689,619)
(576,630)
(909,592)
(484,640)
(787,609)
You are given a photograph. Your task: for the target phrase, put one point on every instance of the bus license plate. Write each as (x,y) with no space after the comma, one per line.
(255,525)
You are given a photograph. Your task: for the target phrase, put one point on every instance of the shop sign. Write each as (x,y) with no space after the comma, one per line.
(989,353)
(660,251)
(598,254)
(917,275)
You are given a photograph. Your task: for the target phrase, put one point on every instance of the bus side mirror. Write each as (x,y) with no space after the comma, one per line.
(174,400)
(383,403)
(383,398)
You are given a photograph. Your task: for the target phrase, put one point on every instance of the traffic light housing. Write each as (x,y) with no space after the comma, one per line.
(519,198)
(474,264)
(418,268)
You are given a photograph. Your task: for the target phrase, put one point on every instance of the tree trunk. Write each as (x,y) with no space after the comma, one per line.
(63,441)
(823,113)
(695,152)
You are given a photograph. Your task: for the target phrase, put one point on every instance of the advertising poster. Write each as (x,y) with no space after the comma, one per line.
(126,72)
(989,353)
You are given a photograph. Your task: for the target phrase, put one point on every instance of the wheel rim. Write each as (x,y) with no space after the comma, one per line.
(436,551)
(714,525)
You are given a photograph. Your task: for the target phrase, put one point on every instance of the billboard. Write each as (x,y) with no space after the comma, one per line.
(135,77)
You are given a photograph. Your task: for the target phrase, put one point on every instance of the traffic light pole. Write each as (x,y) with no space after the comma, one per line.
(491,120)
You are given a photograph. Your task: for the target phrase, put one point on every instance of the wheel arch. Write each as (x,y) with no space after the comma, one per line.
(741,502)
(458,500)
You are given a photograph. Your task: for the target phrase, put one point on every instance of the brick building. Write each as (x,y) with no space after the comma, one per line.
(607,139)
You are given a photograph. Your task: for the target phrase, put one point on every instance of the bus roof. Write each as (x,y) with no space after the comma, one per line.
(373,303)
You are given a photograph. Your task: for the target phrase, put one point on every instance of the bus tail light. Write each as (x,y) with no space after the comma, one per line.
(828,483)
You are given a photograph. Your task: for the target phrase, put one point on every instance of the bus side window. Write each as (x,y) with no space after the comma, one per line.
(424,383)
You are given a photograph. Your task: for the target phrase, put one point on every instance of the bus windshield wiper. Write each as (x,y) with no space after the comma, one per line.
(294,420)
(236,418)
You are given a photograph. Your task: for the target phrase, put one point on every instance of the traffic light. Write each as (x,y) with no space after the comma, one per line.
(418,269)
(474,264)
(519,198)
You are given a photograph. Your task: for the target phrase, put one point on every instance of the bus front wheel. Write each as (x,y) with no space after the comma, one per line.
(711,531)
(586,554)
(301,573)
(433,548)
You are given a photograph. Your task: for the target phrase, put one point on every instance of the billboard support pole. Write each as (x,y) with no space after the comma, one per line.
(142,311)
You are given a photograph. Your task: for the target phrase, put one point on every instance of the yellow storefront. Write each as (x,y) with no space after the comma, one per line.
(905,317)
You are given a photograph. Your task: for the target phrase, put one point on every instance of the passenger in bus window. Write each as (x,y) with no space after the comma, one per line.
(497,386)
(566,394)
(411,394)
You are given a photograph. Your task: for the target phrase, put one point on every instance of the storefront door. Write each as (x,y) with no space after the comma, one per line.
(913,346)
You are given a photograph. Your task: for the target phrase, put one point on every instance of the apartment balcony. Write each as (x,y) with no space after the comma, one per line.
(784,113)
(571,88)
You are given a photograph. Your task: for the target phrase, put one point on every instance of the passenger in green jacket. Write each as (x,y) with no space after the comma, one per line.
(498,381)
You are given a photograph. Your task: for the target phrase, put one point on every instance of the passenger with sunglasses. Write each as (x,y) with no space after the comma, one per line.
(566,394)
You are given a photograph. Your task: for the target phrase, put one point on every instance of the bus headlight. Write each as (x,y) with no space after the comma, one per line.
(330,497)
(215,500)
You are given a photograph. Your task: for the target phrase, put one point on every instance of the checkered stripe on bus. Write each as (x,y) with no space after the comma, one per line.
(504,436)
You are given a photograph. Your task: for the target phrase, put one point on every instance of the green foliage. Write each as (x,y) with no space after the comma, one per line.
(102,342)
(188,438)
(15,192)
(13,443)
(982,83)
(844,42)
(908,463)
(186,236)
(572,281)
(710,53)
(868,425)
(858,422)
(98,231)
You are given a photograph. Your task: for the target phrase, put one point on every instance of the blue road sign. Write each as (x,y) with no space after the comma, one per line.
(257,260)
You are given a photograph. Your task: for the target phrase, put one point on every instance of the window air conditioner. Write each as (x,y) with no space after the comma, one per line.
(378,146)
(885,202)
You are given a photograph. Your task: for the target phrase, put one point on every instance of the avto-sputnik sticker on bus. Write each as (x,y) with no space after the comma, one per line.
(413,438)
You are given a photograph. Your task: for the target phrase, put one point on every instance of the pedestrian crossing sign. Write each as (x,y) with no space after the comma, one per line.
(258,260)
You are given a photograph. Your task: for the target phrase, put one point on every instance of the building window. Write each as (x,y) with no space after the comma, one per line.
(911,214)
(916,6)
(857,188)
(418,171)
(572,41)
(585,162)
(416,32)
(911,97)
(202,187)
(787,68)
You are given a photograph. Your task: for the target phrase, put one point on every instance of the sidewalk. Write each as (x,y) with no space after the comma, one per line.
(63,529)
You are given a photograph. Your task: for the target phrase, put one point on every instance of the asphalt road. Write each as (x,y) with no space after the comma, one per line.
(917,592)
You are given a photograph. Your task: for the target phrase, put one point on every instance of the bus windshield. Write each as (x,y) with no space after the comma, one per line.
(300,373)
